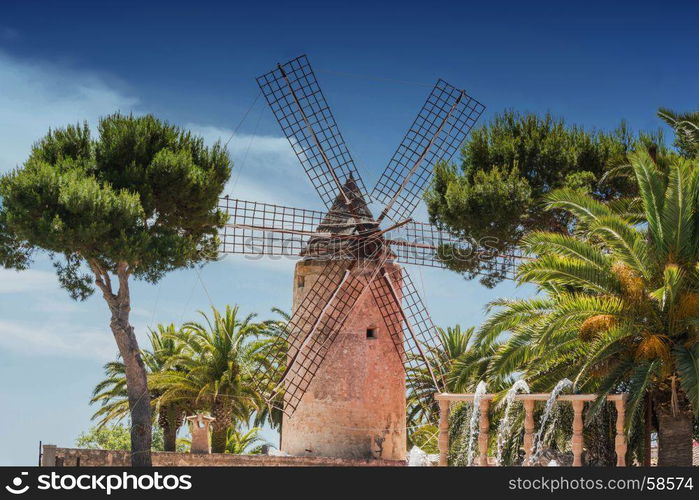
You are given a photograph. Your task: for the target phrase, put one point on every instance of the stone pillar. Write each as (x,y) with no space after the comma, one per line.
(483,428)
(443,432)
(528,430)
(577,441)
(48,455)
(620,445)
(199,427)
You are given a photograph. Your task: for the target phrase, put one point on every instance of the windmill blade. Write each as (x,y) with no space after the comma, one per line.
(298,104)
(259,229)
(408,322)
(425,245)
(313,329)
(440,128)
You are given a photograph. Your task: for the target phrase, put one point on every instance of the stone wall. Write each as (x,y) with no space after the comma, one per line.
(70,457)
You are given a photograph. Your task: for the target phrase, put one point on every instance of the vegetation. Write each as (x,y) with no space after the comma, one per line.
(508,166)
(137,201)
(201,367)
(118,437)
(111,393)
(686,127)
(213,371)
(609,223)
(244,443)
(620,303)
(454,345)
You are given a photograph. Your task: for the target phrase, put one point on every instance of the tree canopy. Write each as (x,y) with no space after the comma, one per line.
(686,126)
(510,164)
(144,193)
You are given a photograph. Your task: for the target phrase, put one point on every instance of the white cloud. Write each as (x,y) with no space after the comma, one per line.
(278,264)
(265,168)
(35,96)
(56,339)
(26,281)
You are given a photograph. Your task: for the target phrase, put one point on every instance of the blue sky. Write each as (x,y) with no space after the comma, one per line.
(194,64)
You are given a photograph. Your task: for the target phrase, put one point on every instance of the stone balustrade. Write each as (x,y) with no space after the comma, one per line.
(529,400)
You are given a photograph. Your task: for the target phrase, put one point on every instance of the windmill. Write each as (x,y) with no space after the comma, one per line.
(358,324)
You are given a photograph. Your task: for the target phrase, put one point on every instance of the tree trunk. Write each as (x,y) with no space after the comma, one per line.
(170,420)
(647,431)
(136,378)
(223,414)
(218,440)
(137,390)
(675,432)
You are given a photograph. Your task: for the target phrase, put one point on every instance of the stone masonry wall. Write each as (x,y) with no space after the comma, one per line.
(71,457)
(355,406)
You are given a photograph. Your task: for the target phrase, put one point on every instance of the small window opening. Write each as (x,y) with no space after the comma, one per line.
(371,333)
(200,424)
(300,281)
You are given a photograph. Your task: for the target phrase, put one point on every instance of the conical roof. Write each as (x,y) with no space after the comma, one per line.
(349,214)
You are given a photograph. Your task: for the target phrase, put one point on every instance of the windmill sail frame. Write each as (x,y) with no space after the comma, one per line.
(347,239)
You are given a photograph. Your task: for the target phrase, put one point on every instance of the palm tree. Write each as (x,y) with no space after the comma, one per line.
(214,370)
(165,348)
(244,443)
(112,396)
(454,349)
(686,127)
(270,345)
(619,308)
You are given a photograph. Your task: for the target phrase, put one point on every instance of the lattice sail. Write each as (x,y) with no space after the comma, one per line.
(293,93)
(410,327)
(264,229)
(313,329)
(439,129)
(425,245)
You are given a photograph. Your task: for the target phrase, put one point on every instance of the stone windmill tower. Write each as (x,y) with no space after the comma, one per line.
(358,325)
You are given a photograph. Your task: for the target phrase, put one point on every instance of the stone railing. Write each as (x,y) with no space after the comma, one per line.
(577,401)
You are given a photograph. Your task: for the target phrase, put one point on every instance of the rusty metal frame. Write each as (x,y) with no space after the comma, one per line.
(297,101)
(440,127)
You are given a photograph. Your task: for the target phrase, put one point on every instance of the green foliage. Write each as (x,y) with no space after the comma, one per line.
(143,192)
(213,371)
(509,165)
(686,126)
(114,437)
(454,345)
(111,394)
(199,368)
(499,190)
(426,437)
(619,307)
(13,253)
(687,360)
(244,443)
(213,366)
